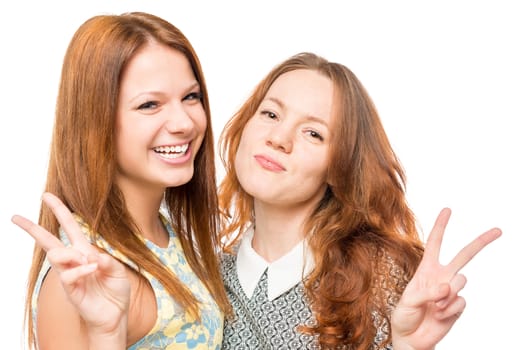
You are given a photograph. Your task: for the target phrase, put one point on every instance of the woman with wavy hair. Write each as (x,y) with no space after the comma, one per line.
(132,137)
(323,247)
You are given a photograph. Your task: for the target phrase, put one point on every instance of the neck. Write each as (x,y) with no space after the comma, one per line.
(144,206)
(277,230)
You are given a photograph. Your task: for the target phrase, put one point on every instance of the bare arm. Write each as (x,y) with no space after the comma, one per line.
(84,299)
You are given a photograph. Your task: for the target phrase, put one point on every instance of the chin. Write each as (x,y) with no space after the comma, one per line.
(256,191)
(181,179)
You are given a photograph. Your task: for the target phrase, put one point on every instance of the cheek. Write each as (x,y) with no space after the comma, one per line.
(243,145)
(127,137)
(243,153)
(125,153)
(241,159)
(316,166)
(314,181)
(199,118)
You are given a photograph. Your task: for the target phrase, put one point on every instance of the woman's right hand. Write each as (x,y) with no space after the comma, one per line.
(95,283)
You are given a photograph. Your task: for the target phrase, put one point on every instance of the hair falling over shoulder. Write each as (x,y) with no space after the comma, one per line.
(363,234)
(82,163)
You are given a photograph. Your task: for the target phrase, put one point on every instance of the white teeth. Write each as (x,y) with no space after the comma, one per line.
(171,152)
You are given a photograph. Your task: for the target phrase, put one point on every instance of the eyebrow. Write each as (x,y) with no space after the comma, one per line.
(310,117)
(190,87)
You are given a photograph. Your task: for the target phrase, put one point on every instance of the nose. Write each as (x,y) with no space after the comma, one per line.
(179,120)
(281,138)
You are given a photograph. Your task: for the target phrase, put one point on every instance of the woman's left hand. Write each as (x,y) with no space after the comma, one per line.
(430,304)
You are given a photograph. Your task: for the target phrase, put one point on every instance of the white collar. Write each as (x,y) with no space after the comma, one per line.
(282,274)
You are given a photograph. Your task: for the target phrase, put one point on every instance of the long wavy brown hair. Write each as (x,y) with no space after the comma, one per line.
(363,234)
(82,163)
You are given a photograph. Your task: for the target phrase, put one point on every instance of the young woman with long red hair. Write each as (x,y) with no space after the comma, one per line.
(323,247)
(132,157)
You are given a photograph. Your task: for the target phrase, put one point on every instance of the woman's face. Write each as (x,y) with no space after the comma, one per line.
(282,157)
(160,122)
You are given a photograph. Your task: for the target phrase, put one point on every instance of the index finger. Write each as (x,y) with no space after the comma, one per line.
(42,237)
(468,252)
(67,221)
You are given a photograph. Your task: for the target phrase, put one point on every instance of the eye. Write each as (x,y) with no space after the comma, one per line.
(148,105)
(194,96)
(315,134)
(269,114)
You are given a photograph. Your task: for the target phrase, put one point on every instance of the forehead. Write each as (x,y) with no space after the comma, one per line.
(156,66)
(304,91)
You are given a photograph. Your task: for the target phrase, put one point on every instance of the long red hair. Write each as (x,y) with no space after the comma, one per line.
(82,163)
(363,234)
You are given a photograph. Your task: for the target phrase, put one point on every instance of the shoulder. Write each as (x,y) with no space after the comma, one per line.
(228,261)
(228,268)
(56,318)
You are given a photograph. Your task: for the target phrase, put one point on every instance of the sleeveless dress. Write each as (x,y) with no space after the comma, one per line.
(174,328)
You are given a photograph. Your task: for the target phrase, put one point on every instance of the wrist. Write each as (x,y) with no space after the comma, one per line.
(398,345)
(113,339)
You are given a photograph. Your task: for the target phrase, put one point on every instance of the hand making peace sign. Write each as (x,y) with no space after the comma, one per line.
(95,283)
(430,304)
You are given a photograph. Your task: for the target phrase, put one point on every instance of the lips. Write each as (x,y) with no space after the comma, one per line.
(269,163)
(172,152)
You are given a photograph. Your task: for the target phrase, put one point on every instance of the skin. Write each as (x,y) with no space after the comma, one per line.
(282,158)
(87,297)
(430,304)
(286,183)
(285,194)
(159,108)
(89,281)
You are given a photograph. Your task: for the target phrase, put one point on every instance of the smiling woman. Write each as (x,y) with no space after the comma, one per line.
(446,78)
(127,139)
(161,122)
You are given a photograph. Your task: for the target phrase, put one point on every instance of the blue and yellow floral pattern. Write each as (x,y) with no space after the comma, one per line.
(175,328)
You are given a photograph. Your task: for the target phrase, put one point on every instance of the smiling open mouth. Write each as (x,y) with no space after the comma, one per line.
(172,152)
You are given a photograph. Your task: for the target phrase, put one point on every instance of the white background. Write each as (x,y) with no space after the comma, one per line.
(447,78)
